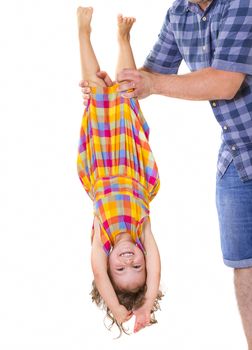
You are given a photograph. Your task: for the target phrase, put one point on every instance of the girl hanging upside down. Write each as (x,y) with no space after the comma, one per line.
(118,171)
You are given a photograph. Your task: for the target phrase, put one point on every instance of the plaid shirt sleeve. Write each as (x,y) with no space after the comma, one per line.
(165,56)
(234,49)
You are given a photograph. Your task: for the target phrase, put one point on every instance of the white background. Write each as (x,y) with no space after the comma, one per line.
(46,216)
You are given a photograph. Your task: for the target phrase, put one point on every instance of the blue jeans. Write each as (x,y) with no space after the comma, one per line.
(234,207)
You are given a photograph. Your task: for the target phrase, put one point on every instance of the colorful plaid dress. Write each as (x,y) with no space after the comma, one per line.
(115,164)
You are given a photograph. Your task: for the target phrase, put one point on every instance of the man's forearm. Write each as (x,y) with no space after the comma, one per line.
(204,84)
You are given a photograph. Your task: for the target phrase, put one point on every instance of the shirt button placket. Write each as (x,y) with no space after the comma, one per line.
(204,45)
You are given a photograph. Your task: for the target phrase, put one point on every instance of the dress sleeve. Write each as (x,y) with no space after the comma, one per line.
(104,238)
(234,49)
(165,56)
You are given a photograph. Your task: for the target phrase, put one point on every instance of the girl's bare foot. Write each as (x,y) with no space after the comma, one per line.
(124,26)
(84,16)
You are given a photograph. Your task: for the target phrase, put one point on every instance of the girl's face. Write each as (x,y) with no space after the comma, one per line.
(127,265)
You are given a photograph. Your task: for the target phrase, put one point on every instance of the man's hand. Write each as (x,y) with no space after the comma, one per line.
(121,314)
(143,316)
(86,89)
(140,81)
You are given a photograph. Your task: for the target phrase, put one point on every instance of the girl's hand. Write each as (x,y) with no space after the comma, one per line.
(121,314)
(86,89)
(143,317)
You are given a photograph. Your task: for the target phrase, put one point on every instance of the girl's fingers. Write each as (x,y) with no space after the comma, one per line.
(130,314)
(138,326)
(128,317)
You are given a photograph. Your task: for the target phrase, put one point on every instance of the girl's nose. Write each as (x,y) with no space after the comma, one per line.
(128,260)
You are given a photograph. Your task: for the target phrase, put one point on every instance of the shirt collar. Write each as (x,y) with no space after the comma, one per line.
(196,8)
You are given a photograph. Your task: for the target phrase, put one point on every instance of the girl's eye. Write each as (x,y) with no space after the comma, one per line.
(137,266)
(120,269)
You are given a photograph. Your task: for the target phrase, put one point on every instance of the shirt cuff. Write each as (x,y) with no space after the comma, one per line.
(232,66)
(160,69)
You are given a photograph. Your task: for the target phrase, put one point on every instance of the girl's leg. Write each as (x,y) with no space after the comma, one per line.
(89,63)
(125,55)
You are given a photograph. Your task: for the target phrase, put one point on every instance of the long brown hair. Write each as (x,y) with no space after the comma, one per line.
(133,299)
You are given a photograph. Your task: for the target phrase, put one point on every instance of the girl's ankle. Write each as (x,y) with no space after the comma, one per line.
(122,39)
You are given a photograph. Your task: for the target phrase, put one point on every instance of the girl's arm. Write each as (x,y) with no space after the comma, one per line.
(153,267)
(102,281)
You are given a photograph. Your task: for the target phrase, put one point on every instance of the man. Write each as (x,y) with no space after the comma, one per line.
(215,40)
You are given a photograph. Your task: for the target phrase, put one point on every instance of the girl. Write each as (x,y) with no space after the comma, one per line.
(118,171)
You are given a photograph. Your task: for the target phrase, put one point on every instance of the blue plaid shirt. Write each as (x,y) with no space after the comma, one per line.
(219,37)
